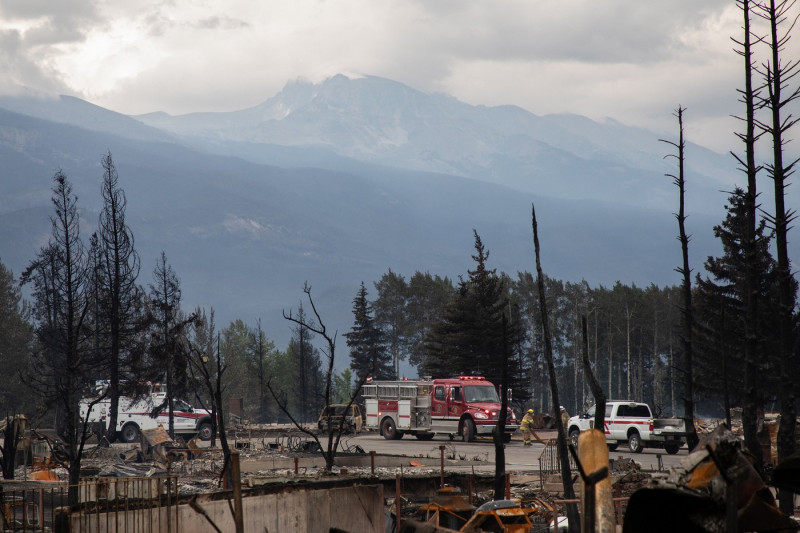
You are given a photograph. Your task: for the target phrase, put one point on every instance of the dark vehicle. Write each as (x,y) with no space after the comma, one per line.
(335,415)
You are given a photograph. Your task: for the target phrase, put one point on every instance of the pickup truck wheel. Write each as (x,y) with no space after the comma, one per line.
(130,432)
(468,431)
(388,429)
(612,446)
(635,442)
(205,430)
(672,447)
(573,438)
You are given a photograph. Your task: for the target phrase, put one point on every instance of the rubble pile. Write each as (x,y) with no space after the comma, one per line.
(715,485)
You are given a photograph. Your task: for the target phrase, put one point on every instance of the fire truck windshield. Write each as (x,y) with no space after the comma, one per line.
(474,393)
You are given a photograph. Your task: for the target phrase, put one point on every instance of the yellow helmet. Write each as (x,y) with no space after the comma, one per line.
(530,411)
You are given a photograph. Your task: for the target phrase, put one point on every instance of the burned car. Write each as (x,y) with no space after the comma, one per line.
(335,415)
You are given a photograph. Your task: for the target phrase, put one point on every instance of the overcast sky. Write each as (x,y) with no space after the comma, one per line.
(634,61)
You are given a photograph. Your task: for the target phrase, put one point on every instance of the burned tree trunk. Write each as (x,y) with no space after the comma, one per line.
(750,398)
(563,453)
(500,428)
(777,75)
(687,317)
(594,384)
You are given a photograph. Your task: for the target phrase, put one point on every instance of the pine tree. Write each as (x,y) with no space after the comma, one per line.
(469,337)
(16,335)
(368,354)
(306,395)
(722,304)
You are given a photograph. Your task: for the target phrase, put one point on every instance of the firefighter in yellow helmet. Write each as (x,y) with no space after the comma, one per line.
(526,425)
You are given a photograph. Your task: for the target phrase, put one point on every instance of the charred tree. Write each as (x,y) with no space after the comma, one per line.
(334,433)
(594,384)
(500,428)
(563,452)
(748,96)
(64,361)
(687,320)
(165,296)
(777,76)
(121,298)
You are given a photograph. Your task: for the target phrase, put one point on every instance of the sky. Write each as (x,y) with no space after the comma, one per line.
(635,62)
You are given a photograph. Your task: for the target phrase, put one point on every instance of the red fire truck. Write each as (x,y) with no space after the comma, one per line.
(465,406)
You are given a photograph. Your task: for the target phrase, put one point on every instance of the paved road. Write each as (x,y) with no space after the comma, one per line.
(518,457)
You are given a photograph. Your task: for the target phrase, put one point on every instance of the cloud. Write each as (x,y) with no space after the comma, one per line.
(634,61)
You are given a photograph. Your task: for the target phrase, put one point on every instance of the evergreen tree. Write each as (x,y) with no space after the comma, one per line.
(368,354)
(722,305)
(241,382)
(427,297)
(342,386)
(16,337)
(469,337)
(306,385)
(391,317)
(261,363)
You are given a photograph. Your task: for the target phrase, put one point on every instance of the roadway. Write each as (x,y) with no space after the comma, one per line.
(481,452)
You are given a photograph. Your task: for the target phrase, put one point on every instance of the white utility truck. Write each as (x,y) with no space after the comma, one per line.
(136,415)
(632,423)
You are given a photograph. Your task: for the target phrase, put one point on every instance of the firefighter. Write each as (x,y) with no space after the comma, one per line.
(564,417)
(527,428)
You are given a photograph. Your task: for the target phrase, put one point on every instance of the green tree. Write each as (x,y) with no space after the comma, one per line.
(368,354)
(261,364)
(722,306)
(306,393)
(342,386)
(237,355)
(428,296)
(469,337)
(16,337)
(391,317)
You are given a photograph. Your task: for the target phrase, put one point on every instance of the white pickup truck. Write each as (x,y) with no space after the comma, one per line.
(632,423)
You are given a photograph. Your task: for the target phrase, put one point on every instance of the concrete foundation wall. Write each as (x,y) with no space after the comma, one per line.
(355,509)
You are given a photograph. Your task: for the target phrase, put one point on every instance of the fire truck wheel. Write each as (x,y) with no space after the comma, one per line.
(130,432)
(205,430)
(468,431)
(388,429)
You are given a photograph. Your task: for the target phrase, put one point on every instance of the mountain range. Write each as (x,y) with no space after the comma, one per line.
(336,183)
